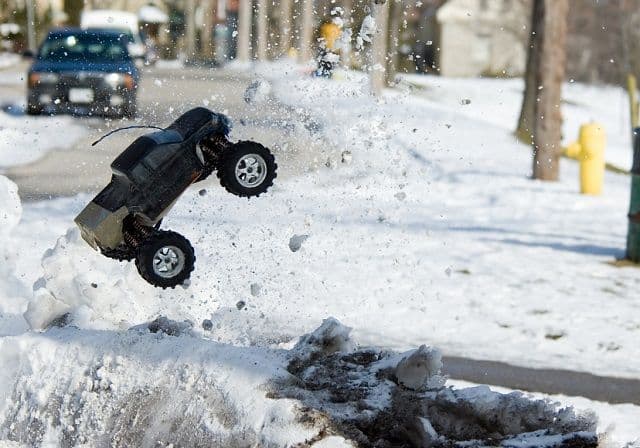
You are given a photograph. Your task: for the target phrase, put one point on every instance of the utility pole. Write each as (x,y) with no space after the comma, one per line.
(380,13)
(306,35)
(244,30)
(262,30)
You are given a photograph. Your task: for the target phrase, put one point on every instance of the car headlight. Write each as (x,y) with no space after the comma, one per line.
(114,80)
(42,78)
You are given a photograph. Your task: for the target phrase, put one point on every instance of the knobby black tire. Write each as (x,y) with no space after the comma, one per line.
(227,166)
(120,254)
(147,250)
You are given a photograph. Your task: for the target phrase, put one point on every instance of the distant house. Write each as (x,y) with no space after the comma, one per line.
(483,37)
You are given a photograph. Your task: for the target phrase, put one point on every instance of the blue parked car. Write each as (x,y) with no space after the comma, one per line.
(83,71)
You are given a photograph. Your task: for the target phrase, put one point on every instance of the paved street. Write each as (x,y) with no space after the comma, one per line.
(163,95)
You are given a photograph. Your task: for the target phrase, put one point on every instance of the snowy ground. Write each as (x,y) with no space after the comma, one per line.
(24,140)
(498,101)
(8,59)
(422,226)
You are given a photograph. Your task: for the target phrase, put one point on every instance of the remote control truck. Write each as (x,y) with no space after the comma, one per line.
(123,220)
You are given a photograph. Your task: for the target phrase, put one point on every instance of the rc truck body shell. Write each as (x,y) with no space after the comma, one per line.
(149,176)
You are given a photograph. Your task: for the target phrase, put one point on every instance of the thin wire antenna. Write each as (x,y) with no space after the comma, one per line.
(123,129)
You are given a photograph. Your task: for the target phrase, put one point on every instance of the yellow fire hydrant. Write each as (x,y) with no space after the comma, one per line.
(589,151)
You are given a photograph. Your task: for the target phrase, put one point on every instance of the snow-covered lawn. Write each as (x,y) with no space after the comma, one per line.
(422,225)
(498,102)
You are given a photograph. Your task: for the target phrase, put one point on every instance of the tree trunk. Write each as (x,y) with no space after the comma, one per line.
(393,40)
(526,122)
(262,40)
(190,29)
(347,6)
(380,12)
(210,17)
(244,30)
(285,26)
(547,131)
(540,122)
(306,34)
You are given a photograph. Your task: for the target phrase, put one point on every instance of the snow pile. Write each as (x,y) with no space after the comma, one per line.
(23,140)
(162,383)
(94,291)
(421,370)
(8,59)
(12,291)
(362,395)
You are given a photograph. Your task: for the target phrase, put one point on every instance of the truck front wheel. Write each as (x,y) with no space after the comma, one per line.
(247,169)
(165,259)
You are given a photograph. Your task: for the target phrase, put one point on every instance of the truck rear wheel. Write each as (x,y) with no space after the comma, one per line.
(166,259)
(247,169)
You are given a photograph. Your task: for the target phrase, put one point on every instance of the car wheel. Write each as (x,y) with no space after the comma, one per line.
(247,169)
(131,110)
(166,259)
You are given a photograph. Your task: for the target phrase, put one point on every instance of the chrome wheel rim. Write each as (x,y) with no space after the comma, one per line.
(251,170)
(168,261)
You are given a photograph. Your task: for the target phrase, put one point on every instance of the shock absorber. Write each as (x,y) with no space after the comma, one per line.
(135,232)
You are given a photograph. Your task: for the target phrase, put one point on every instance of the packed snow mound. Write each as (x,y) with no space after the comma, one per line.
(161,383)
(421,370)
(94,291)
(12,291)
(10,207)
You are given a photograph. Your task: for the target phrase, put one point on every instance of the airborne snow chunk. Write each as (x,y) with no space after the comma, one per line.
(295,242)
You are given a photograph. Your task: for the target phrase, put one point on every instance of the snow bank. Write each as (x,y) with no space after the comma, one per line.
(8,59)
(12,291)
(23,140)
(152,384)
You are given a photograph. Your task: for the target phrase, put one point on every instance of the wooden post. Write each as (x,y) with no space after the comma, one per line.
(262,40)
(244,30)
(306,34)
(380,12)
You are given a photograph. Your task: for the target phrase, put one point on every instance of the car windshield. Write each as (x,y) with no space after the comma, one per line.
(83,47)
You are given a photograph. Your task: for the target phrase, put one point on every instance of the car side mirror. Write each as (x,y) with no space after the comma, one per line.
(28,54)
